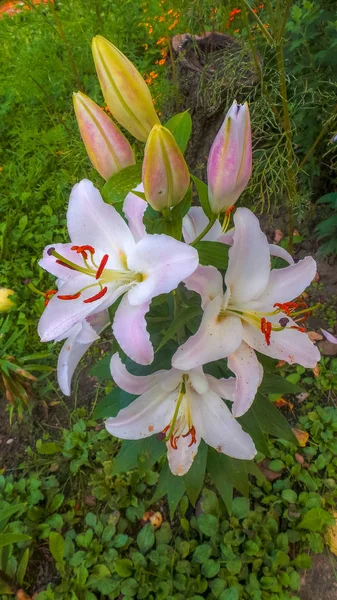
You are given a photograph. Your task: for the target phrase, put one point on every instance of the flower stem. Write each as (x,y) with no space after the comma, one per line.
(206,230)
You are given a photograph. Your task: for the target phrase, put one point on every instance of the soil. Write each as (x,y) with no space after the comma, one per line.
(320,582)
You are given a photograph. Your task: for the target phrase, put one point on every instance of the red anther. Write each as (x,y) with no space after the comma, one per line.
(83,250)
(266,328)
(286,307)
(302,329)
(173,442)
(229,210)
(166,429)
(70,296)
(192,433)
(100,294)
(47,296)
(102,266)
(63,264)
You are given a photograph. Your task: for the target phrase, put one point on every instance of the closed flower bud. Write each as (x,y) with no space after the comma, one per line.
(108,149)
(124,89)
(165,174)
(230,159)
(5,302)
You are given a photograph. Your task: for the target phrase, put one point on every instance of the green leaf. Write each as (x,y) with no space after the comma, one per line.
(213,253)
(56,502)
(111,404)
(275,384)
(240,507)
(328,199)
(202,553)
(155,222)
(252,426)
(175,491)
(150,448)
(48,447)
(180,125)
(129,588)
(316,519)
(302,561)
(22,567)
(101,370)
(184,316)
(229,594)
(146,538)
(120,184)
(202,190)
(194,478)
(223,483)
(12,538)
(10,510)
(208,524)
(123,567)
(271,420)
(234,566)
(210,568)
(181,209)
(56,546)
(289,496)
(162,485)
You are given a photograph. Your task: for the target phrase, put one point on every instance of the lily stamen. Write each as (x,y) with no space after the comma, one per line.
(266,328)
(99,295)
(102,266)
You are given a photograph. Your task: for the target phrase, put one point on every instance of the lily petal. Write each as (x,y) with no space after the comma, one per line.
(217,426)
(134,209)
(225,388)
(180,459)
(129,328)
(290,345)
(280,252)
(249,373)
(164,263)
(206,281)
(288,283)
(68,359)
(133,384)
(331,338)
(216,338)
(249,258)
(147,415)
(92,221)
(48,262)
(195,222)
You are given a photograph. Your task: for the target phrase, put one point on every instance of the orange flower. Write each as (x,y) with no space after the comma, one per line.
(161,19)
(162,61)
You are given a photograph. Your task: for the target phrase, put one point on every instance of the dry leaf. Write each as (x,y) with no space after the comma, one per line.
(282,402)
(303,396)
(155,518)
(331,536)
(314,336)
(21,595)
(317,276)
(316,371)
(268,473)
(278,236)
(281,363)
(299,458)
(301,436)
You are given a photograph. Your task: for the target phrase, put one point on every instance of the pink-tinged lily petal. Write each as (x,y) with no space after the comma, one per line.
(198,380)
(225,388)
(48,262)
(280,252)
(134,209)
(195,222)
(248,371)
(147,415)
(91,221)
(109,151)
(331,338)
(60,315)
(180,459)
(82,336)
(227,238)
(216,338)
(134,384)
(249,259)
(129,328)
(286,284)
(290,345)
(217,426)
(230,159)
(207,282)
(164,263)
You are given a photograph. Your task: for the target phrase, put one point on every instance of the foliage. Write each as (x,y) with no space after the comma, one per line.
(328,227)
(100,546)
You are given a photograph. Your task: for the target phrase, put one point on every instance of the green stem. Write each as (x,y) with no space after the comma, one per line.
(318,139)
(206,230)
(266,33)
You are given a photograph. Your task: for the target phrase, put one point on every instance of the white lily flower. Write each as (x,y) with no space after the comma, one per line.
(185,406)
(253,313)
(79,339)
(103,262)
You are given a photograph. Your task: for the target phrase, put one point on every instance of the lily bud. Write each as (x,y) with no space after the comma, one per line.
(230,159)
(108,149)
(165,174)
(124,89)
(5,302)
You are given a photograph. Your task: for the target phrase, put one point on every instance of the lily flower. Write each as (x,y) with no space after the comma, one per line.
(109,151)
(183,406)
(102,263)
(229,164)
(254,313)
(328,336)
(79,339)
(124,89)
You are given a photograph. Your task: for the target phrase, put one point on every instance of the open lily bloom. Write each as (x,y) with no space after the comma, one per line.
(102,263)
(186,406)
(253,313)
(79,339)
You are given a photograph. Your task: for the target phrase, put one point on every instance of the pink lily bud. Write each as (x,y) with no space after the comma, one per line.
(230,159)
(124,89)
(108,149)
(5,301)
(166,176)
